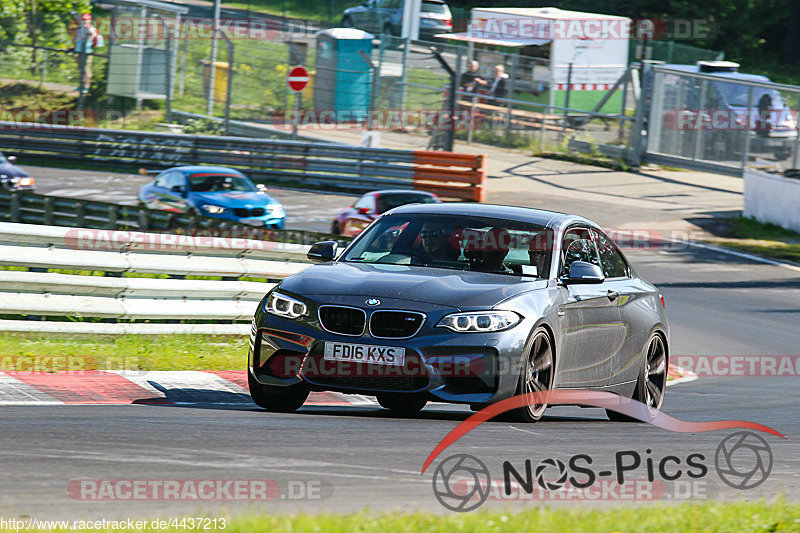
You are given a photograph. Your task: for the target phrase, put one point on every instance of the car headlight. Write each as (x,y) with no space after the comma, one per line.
(480,321)
(282,305)
(213,209)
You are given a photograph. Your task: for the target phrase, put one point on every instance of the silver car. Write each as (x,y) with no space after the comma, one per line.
(462,303)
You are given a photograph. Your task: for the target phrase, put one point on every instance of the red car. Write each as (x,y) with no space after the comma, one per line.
(351,221)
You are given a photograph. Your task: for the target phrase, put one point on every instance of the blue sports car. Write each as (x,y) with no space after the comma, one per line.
(218,192)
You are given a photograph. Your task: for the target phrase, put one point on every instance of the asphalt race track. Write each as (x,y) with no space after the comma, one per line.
(306,210)
(351,457)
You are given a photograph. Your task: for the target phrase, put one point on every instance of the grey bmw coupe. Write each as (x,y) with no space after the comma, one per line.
(462,303)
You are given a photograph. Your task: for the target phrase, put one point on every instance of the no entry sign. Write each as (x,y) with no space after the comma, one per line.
(298,79)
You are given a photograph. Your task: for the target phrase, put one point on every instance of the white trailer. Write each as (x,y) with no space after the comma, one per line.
(595,45)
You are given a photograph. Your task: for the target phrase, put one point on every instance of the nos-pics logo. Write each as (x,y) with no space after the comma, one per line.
(462,482)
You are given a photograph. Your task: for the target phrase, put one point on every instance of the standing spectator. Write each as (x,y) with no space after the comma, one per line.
(471,79)
(498,88)
(86,39)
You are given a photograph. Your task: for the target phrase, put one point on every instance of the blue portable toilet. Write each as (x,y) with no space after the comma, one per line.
(342,80)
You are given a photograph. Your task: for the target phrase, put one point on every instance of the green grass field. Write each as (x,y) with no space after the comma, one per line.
(709,517)
(768,240)
(57,352)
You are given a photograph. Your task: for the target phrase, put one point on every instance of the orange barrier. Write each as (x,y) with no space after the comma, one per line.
(434,172)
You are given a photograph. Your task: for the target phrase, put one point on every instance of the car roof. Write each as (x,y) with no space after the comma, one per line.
(542,217)
(732,75)
(195,169)
(401,191)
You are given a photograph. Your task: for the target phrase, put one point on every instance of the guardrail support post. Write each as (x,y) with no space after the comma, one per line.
(14,207)
(112,217)
(48,210)
(80,214)
(144,220)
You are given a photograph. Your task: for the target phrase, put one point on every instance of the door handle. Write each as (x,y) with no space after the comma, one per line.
(612,295)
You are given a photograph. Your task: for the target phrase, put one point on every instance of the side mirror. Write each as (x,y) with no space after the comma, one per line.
(180,189)
(364,211)
(12,159)
(323,251)
(581,272)
(261,187)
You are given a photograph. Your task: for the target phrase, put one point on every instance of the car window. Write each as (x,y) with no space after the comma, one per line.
(611,260)
(468,243)
(208,182)
(174,179)
(390,201)
(161,179)
(434,7)
(365,201)
(578,246)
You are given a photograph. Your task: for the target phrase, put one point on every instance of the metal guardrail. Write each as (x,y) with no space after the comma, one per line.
(296,163)
(116,295)
(32,208)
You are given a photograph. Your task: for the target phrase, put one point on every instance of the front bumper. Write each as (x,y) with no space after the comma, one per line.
(473,368)
(267,221)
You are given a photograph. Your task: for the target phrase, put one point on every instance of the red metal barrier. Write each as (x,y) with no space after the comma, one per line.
(434,172)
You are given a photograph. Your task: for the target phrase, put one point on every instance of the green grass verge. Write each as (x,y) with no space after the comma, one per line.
(708,517)
(768,240)
(59,352)
(329,11)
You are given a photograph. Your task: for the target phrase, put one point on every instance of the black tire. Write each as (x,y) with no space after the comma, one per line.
(651,384)
(402,404)
(536,374)
(283,401)
(347,22)
(335,229)
(387,30)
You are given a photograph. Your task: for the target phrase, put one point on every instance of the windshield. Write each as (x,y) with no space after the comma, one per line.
(737,95)
(458,243)
(390,201)
(220,183)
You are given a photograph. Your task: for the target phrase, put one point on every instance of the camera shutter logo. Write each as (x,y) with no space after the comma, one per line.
(461,483)
(551,484)
(743,460)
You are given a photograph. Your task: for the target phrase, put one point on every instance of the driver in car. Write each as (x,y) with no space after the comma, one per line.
(436,245)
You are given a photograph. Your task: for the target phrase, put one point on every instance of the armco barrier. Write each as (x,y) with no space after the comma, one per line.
(296,163)
(433,172)
(31,208)
(122,293)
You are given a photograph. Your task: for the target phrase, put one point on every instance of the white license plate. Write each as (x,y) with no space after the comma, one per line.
(365,353)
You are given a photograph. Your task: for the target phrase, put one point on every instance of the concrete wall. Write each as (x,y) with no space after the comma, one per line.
(772,198)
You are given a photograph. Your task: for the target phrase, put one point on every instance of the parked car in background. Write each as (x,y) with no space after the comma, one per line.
(386,17)
(13,178)
(352,220)
(217,192)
